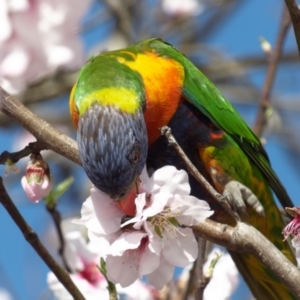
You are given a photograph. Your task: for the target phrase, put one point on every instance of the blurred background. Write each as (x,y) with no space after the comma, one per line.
(43,44)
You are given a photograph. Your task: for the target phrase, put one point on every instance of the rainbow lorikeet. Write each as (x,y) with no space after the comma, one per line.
(119,103)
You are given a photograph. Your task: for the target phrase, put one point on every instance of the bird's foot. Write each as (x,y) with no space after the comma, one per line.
(238,195)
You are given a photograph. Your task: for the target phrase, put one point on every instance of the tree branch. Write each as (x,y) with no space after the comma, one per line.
(14,157)
(265,99)
(295,16)
(121,13)
(48,136)
(201,281)
(57,222)
(245,238)
(35,242)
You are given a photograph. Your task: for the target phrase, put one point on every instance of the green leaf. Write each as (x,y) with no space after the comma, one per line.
(102,267)
(63,187)
(58,191)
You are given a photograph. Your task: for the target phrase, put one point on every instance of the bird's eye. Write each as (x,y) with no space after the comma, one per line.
(135,154)
(135,157)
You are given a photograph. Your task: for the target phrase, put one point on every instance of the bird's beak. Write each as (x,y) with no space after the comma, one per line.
(127,204)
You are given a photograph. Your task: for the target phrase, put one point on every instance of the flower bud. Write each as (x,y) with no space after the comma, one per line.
(265,45)
(11,167)
(37,181)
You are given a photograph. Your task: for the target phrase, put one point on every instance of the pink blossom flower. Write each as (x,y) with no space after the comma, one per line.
(82,258)
(151,243)
(293,228)
(37,182)
(37,38)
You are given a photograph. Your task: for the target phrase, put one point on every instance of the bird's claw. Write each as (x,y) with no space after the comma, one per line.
(239,195)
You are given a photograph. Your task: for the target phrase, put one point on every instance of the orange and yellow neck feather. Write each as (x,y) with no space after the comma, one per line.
(163,79)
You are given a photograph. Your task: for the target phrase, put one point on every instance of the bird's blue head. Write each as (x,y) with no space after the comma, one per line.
(113,148)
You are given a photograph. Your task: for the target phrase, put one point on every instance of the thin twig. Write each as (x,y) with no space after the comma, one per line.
(295,16)
(14,157)
(265,99)
(50,137)
(201,282)
(166,131)
(216,18)
(35,242)
(57,221)
(121,13)
(190,283)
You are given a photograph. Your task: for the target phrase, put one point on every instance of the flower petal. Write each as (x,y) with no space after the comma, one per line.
(154,240)
(127,241)
(107,211)
(182,249)
(170,180)
(88,217)
(162,275)
(192,210)
(102,242)
(149,261)
(146,182)
(137,291)
(122,269)
(77,251)
(35,191)
(157,205)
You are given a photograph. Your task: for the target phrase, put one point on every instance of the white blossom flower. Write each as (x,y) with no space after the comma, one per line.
(151,243)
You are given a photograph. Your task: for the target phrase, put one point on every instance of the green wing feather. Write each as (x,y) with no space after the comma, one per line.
(223,115)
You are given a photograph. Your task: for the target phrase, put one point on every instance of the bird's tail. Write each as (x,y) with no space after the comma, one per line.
(262,283)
